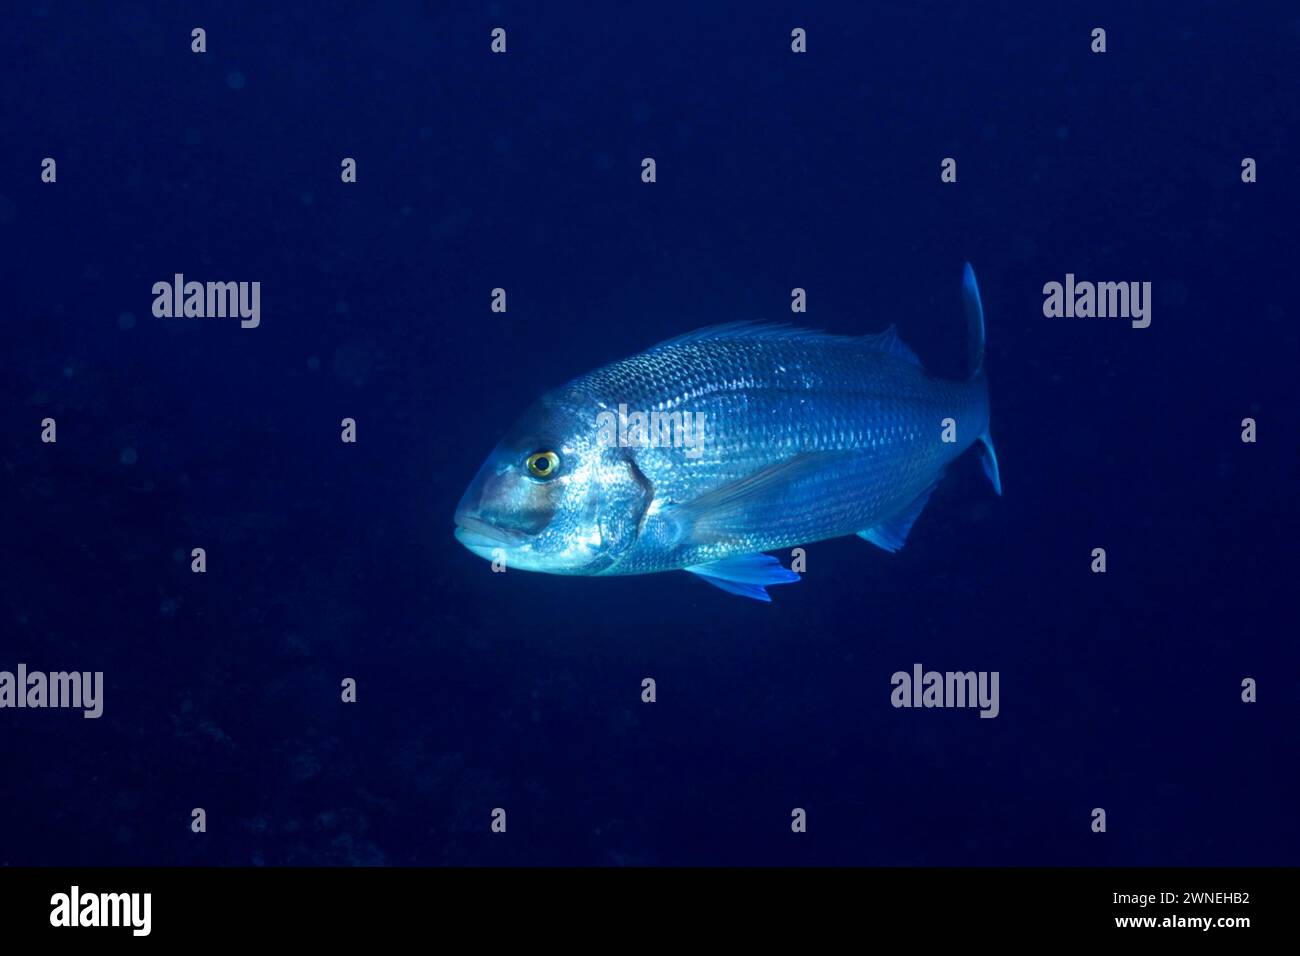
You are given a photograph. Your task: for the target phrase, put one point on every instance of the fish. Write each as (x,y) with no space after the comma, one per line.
(706,451)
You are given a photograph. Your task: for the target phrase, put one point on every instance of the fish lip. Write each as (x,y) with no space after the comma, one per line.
(473,531)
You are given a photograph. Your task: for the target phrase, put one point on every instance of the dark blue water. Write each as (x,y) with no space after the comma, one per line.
(521,691)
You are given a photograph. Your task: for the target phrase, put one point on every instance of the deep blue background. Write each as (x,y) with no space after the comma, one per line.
(522,691)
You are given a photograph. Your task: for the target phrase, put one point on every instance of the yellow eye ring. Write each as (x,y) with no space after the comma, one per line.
(543,464)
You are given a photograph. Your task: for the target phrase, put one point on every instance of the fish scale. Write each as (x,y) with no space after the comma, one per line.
(770,395)
(806,436)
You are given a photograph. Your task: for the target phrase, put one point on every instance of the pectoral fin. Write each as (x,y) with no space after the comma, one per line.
(748,575)
(712,516)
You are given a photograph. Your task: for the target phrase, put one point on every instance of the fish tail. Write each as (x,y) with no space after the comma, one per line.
(970,295)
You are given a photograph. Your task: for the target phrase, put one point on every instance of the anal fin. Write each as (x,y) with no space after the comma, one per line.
(892,533)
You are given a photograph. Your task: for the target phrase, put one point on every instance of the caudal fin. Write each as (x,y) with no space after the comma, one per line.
(989,459)
(974,309)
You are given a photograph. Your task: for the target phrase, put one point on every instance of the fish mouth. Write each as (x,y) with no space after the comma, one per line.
(475,533)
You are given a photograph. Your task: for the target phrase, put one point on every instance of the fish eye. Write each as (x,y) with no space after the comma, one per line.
(543,464)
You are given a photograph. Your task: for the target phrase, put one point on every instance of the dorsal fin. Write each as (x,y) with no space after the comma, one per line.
(889,341)
(886,341)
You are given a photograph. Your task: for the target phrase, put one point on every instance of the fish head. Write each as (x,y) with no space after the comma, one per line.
(554,495)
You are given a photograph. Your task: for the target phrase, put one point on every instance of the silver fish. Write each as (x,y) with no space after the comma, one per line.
(740,439)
